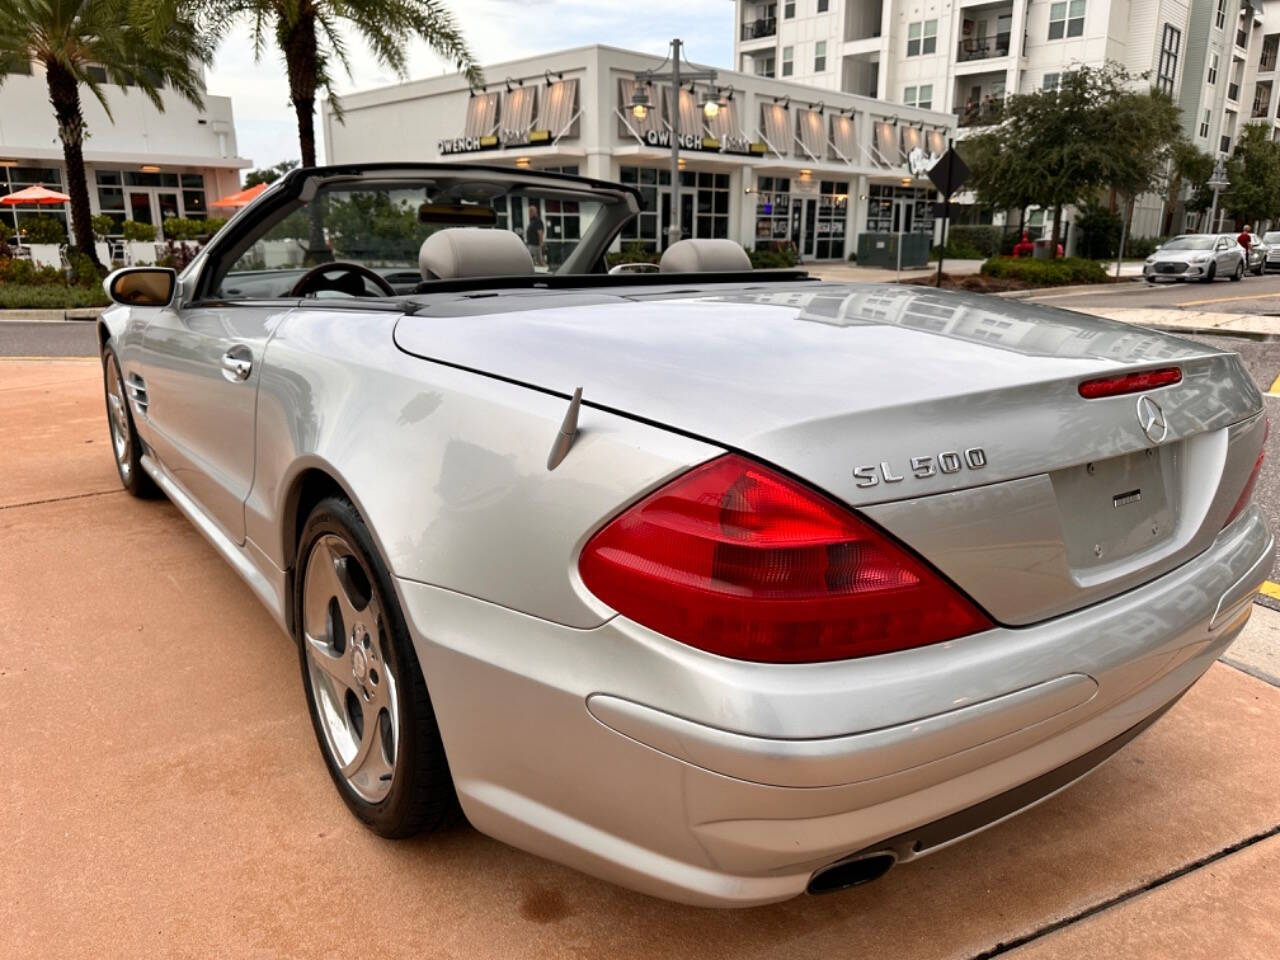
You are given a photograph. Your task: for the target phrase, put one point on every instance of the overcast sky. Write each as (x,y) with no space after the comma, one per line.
(497,30)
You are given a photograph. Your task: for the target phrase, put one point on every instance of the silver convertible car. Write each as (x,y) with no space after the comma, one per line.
(718,584)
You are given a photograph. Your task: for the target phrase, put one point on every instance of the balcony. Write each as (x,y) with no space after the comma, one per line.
(981,114)
(760,28)
(983,48)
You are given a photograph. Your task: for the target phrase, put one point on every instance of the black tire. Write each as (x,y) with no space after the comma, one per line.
(1238,275)
(136,481)
(421,797)
(1213,272)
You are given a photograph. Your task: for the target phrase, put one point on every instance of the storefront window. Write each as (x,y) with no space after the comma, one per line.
(891,209)
(833,214)
(129,195)
(773,210)
(711,203)
(704,201)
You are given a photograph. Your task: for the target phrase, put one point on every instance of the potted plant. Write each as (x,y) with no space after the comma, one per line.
(140,241)
(43,235)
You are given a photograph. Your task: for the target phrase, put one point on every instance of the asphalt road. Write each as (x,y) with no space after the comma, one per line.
(1256,295)
(72,338)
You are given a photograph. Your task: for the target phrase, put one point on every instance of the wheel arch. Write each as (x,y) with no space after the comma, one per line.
(310,483)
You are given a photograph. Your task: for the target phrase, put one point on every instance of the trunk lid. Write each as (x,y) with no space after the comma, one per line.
(883,394)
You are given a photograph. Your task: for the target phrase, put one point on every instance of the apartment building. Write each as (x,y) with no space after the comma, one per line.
(1217,58)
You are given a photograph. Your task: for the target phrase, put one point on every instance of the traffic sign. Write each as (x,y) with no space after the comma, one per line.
(950,173)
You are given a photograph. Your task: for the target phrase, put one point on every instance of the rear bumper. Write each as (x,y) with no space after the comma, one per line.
(722,783)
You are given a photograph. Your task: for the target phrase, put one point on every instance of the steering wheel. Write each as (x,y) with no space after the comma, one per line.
(350,280)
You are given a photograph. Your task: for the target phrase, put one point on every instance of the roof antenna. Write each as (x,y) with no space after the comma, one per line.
(568,432)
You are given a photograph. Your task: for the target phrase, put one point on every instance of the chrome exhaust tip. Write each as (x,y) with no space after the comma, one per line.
(852,873)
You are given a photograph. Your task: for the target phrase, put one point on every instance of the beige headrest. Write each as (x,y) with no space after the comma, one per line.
(704,256)
(473,252)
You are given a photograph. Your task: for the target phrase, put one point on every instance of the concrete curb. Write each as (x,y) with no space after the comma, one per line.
(1119,287)
(77,314)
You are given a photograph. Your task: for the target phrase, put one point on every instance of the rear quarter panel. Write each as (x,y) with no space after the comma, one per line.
(447,467)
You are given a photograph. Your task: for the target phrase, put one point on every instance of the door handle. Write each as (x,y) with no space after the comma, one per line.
(235,366)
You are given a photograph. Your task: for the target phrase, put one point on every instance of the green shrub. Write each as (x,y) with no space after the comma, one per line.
(83,271)
(984,241)
(958,251)
(25,273)
(853,256)
(5,232)
(15,296)
(103,225)
(1099,233)
(1045,273)
(180,228)
(1143,246)
(136,232)
(781,257)
(631,253)
(43,230)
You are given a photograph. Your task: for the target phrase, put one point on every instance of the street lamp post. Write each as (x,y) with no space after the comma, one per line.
(1217,183)
(640,108)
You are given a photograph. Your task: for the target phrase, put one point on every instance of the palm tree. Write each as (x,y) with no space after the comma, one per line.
(309,35)
(132,43)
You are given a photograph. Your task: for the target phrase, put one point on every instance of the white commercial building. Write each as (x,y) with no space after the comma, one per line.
(1217,58)
(141,163)
(780,162)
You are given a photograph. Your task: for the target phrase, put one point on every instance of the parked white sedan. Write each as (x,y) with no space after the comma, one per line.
(1196,256)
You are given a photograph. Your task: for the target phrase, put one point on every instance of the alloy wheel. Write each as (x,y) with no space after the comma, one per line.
(118,419)
(351,682)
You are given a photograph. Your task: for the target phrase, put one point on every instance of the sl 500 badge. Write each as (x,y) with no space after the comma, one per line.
(922,468)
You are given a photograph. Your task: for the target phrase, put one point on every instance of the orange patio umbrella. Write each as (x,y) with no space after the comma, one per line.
(243,198)
(35,196)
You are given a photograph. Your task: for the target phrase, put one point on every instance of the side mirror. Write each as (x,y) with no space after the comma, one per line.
(142,286)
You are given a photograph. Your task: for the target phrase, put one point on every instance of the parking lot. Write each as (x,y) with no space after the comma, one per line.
(164,795)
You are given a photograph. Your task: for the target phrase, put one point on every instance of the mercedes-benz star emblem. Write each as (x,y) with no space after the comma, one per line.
(1151,419)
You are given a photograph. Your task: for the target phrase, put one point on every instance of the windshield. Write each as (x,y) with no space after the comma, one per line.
(1190,243)
(379,227)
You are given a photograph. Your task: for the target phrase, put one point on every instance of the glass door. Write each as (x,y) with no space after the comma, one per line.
(810,226)
(140,206)
(168,204)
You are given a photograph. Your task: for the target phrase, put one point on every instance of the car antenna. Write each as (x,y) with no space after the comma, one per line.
(568,432)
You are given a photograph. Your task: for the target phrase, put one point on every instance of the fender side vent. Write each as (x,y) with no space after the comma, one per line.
(137,390)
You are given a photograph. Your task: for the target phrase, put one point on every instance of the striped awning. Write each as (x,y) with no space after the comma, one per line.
(517,113)
(725,124)
(810,133)
(689,113)
(844,144)
(777,129)
(482,115)
(652,122)
(885,145)
(558,110)
(912,139)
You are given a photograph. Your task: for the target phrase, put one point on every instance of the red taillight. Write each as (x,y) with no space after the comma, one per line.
(738,560)
(1130,383)
(1247,493)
